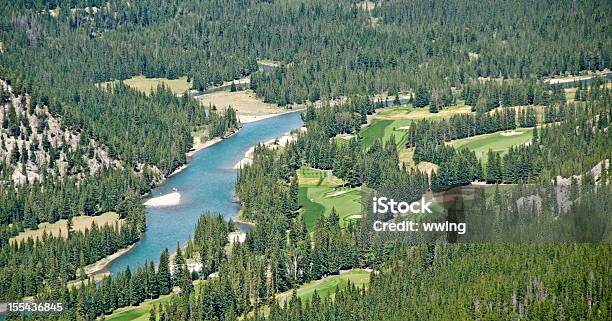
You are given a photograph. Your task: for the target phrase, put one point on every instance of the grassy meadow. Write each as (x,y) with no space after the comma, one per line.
(147,85)
(79,223)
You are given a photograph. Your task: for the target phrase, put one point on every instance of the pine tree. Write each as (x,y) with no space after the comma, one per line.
(152,282)
(294,189)
(5,121)
(182,277)
(15,155)
(164,278)
(433,108)
(153,314)
(493,167)
(396,101)
(421,98)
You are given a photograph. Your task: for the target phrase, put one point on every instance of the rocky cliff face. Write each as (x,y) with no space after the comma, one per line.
(35,144)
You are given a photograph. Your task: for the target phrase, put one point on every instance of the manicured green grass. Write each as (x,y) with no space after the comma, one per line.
(318,195)
(398,129)
(310,209)
(395,121)
(346,201)
(140,314)
(383,129)
(376,130)
(313,176)
(327,287)
(498,142)
(394,111)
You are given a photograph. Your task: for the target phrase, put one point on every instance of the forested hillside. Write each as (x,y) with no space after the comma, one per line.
(60,50)
(474,282)
(76,140)
(49,171)
(37,146)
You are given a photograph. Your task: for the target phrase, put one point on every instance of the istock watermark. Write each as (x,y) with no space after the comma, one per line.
(525,213)
(382,205)
(410,226)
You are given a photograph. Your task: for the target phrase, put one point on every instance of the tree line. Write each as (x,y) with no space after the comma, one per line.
(575,144)
(29,266)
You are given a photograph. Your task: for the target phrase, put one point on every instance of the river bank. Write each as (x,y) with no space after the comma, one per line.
(276,142)
(99,267)
(240,220)
(245,119)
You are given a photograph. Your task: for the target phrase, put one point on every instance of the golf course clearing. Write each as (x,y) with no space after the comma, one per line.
(409,112)
(383,130)
(142,312)
(138,313)
(397,120)
(327,287)
(498,142)
(318,194)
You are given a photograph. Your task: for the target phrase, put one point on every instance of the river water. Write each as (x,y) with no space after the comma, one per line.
(206,184)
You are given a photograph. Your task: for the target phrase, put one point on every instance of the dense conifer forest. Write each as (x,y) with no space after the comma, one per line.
(77,142)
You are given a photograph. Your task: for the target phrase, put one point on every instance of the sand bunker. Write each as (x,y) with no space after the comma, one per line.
(334,194)
(346,136)
(170,199)
(511,133)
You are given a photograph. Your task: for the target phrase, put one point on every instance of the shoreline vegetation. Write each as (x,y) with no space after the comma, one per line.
(240,220)
(99,267)
(563,79)
(281,141)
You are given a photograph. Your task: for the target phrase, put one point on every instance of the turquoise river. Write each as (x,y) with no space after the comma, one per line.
(207,184)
